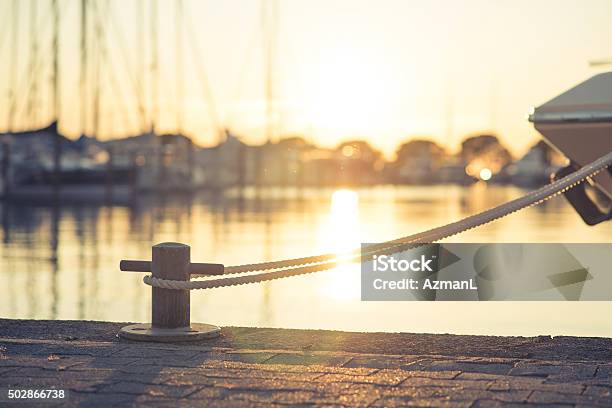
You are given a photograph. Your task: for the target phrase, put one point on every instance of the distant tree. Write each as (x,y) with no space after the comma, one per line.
(420,148)
(417,162)
(293,142)
(358,149)
(481,146)
(357,162)
(484,152)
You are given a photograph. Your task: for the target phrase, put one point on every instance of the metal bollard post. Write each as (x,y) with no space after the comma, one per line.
(170,307)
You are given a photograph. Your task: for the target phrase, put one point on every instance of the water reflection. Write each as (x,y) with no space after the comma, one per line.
(61,262)
(340,233)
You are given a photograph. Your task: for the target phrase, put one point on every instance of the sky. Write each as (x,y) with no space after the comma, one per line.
(384,71)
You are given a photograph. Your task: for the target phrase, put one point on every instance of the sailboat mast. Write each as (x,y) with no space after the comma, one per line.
(269,29)
(13,66)
(449,111)
(33,70)
(99,61)
(83,78)
(179,66)
(141,63)
(154,67)
(55,61)
(55,81)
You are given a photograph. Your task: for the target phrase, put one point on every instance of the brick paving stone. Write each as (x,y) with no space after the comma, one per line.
(546,397)
(420,364)
(468,366)
(275,397)
(383,377)
(307,359)
(514,396)
(208,393)
(281,368)
(450,383)
(491,377)
(195,375)
(422,402)
(36,373)
(246,356)
(598,391)
(539,369)
(494,360)
(506,385)
(414,392)
(97,400)
(127,386)
(50,361)
(486,403)
(441,375)
(6,370)
(585,374)
(376,362)
(156,354)
(604,371)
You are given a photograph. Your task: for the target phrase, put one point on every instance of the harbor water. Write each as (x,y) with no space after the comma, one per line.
(62,261)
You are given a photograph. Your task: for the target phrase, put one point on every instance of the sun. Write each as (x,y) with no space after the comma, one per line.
(351,90)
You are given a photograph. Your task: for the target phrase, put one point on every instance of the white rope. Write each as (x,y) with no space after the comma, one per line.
(301,266)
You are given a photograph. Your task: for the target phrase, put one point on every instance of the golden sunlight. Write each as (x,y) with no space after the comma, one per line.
(340,234)
(352,90)
(344,219)
(340,231)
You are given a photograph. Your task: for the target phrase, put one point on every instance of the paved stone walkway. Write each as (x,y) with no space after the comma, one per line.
(268,367)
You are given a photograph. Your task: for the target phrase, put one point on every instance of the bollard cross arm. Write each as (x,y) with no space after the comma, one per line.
(195,268)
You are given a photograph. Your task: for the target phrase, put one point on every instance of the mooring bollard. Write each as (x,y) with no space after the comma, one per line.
(170,318)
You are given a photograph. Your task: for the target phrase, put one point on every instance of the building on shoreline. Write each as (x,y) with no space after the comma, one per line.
(172,162)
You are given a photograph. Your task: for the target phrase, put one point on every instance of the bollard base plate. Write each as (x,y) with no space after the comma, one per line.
(145,332)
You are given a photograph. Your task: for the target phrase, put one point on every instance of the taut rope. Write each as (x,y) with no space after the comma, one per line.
(300,266)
